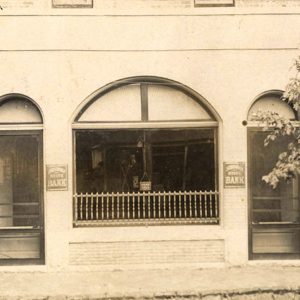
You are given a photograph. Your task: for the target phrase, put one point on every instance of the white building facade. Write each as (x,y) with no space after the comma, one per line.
(123,133)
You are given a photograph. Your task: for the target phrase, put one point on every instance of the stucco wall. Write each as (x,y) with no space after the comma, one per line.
(229,59)
(141,7)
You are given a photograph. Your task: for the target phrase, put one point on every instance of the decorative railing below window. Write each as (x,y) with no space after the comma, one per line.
(100,209)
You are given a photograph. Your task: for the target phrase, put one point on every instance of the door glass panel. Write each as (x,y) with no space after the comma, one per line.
(20,233)
(268,204)
(19,183)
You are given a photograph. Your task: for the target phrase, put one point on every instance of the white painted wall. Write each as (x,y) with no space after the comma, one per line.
(229,59)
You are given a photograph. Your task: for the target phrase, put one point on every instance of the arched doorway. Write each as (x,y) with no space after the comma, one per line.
(21,201)
(146,153)
(274,228)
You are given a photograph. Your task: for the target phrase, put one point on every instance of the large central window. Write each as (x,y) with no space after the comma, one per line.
(145,153)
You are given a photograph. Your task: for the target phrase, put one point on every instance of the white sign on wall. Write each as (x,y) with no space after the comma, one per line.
(72,3)
(234,175)
(57,177)
(214,2)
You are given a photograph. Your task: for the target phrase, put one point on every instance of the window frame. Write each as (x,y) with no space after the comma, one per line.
(144,123)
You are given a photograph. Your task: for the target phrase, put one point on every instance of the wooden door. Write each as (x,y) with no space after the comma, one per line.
(274,227)
(21,205)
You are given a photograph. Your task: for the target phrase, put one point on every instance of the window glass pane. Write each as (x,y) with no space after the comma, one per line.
(167,103)
(108,161)
(168,165)
(144,175)
(271,205)
(117,160)
(19,187)
(274,104)
(121,104)
(183,160)
(19,111)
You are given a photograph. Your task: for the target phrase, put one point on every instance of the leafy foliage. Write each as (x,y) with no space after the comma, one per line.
(288,164)
(292,93)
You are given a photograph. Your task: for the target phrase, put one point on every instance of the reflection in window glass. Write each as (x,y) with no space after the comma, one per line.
(19,186)
(117,160)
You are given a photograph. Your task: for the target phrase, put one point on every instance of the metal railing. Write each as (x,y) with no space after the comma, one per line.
(97,209)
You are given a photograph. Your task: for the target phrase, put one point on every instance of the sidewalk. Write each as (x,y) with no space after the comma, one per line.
(184,283)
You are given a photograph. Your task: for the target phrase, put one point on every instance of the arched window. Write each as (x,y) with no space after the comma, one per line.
(271,101)
(21,205)
(146,152)
(19,110)
(274,213)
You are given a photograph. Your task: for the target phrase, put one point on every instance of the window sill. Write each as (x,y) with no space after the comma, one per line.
(154,222)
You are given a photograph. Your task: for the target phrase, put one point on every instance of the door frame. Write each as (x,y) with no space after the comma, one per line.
(38,133)
(266,227)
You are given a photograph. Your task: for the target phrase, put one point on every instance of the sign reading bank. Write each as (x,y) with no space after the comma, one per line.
(234,175)
(57,177)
